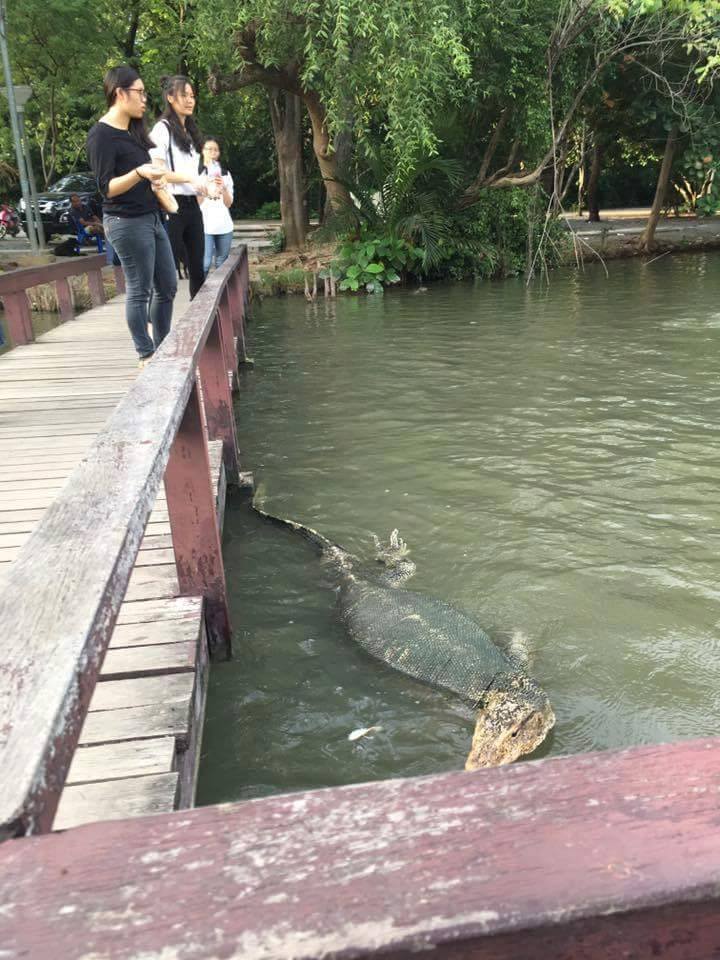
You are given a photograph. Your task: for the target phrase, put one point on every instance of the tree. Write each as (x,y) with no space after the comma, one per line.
(388,64)
(286,115)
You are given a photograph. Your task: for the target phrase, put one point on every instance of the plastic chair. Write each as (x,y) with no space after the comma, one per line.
(83,235)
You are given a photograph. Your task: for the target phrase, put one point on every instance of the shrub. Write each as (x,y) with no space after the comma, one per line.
(268,211)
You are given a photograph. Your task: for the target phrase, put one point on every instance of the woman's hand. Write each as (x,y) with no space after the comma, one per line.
(199,185)
(148,172)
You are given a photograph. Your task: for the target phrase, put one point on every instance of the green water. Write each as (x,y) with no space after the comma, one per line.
(551,457)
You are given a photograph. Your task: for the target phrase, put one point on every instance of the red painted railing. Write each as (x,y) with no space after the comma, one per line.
(60,597)
(13,287)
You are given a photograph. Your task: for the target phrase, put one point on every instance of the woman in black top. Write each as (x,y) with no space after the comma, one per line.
(117,148)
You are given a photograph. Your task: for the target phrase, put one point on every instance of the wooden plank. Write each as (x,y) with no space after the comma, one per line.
(152,583)
(158,632)
(146,611)
(148,661)
(136,723)
(595,857)
(188,754)
(116,800)
(141,692)
(118,761)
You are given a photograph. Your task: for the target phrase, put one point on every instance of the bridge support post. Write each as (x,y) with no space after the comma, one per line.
(64,298)
(237,305)
(194,527)
(17,315)
(216,364)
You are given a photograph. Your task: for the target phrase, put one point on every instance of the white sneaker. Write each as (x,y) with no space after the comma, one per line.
(143,361)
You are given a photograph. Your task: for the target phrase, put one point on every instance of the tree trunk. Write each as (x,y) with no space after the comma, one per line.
(594,182)
(286,115)
(647,240)
(343,148)
(338,195)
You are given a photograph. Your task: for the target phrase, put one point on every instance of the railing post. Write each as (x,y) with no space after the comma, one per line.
(228,332)
(217,396)
(194,525)
(237,305)
(95,285)
(17,316)
(64,298)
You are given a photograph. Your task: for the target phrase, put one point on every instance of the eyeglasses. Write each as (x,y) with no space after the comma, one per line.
(142,93)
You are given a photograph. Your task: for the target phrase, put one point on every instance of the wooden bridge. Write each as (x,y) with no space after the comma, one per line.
(112,598)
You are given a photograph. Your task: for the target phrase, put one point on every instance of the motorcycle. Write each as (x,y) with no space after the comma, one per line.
(9,221)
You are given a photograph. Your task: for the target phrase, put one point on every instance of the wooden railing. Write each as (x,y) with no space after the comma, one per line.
(61,595)
(606,855)
(13,287)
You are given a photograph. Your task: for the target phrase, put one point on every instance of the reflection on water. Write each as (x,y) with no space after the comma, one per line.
(551,457)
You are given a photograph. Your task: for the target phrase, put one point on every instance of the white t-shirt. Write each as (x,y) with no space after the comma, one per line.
(216,216)
(182,162)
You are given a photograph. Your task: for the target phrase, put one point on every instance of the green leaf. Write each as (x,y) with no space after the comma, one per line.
(375,267)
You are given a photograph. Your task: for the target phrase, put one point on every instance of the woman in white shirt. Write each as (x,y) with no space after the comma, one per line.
(177,142)
(215,206)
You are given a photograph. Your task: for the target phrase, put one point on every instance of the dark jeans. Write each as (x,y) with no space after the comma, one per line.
(144,250)
(187,236)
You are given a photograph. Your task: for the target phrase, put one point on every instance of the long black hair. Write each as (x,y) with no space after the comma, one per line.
(122,78)
(185,136)
(201,166)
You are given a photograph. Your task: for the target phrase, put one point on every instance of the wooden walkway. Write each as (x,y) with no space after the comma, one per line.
(139,746)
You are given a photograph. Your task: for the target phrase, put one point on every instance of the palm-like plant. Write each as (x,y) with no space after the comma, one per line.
(415,209)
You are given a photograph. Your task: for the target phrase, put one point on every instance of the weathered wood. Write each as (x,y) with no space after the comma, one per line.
(149,661)
(579,858)
(215,363)
(145,611)
(134,635)
(16,280)
(52,650)
(142,692)
(65,298)
(193,520)
(17,318)
(118,761)
(118,799)
(169,719)
(188,754)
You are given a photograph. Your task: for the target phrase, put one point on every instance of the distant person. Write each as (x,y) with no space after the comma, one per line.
(177,142)
(118,150)
(83,217)
(215,208)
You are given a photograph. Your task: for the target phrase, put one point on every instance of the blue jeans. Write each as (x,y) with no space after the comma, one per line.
(146,257)
(217,245)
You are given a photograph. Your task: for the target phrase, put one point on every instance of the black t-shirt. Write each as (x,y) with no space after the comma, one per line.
(111,153)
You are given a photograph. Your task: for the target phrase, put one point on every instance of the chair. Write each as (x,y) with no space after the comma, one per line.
(83,235)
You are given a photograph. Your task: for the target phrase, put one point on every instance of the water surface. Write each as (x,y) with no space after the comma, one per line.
(551,457)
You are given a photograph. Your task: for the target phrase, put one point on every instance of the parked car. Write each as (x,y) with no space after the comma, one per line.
(55,202)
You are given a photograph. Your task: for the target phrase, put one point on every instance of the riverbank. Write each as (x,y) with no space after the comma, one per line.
(618,233)
(616,236)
